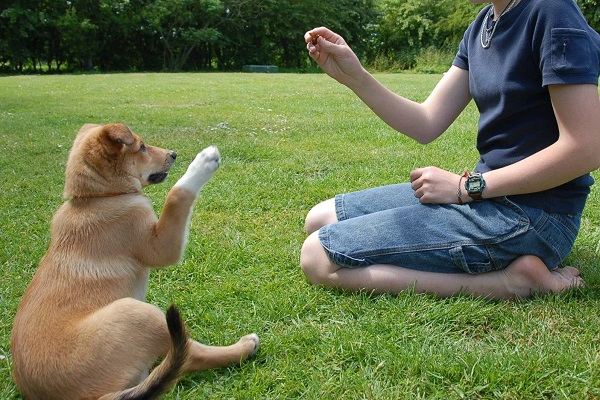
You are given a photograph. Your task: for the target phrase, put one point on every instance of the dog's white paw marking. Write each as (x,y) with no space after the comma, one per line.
(201,169)
(207,161)
(253,341)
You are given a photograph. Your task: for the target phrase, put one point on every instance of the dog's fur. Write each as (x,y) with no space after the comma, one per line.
(83,329)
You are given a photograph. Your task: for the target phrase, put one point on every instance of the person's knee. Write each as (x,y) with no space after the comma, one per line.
(311,222)
(315,219)
(320,215)
(311,259)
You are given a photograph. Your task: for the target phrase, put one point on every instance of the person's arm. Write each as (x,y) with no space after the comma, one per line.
(423,122)
(575,153)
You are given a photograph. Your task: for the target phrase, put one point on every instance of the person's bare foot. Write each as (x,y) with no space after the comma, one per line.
(567,277)
(528,275)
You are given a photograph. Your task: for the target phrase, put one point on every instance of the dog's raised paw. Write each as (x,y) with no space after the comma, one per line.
(208,160)
(201,169)
(212,157)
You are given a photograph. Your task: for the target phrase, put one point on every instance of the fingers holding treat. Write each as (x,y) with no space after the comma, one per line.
(311,39)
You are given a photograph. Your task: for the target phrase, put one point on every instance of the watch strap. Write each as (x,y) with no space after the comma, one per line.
(475,196)
(465,175)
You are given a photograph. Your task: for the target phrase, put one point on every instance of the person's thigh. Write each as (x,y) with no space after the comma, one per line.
(474,238)
(368,201)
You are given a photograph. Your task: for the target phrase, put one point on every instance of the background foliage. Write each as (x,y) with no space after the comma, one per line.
(151,35)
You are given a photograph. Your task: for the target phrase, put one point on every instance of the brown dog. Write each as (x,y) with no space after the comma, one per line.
(83,329)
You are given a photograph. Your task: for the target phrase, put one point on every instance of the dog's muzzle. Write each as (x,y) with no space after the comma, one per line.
(158,177)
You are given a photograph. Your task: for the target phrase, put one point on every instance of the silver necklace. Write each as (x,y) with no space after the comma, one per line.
(489,32)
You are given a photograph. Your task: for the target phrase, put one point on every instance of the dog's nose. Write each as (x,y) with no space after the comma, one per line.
(173,155)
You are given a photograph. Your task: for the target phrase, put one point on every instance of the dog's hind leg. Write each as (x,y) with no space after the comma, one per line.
(126,337)
(168,371)
(203,357)
(132,335)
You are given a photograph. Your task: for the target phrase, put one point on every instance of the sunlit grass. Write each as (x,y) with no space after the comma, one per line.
(289,141)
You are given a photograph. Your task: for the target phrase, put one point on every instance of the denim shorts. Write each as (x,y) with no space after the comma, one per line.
(388,225)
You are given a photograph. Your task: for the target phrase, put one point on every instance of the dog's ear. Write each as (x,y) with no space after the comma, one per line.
(116,135)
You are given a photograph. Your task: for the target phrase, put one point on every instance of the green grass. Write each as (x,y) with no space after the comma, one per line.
(289,141)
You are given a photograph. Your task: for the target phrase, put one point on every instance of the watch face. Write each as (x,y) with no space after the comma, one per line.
(474,184)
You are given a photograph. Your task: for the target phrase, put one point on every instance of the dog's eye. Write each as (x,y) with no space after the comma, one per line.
(142,147)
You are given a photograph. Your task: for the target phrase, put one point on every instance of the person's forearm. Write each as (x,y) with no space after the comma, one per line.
(404,115)
(549,168)
(425,121)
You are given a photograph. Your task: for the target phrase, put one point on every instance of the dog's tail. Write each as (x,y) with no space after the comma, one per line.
(166,373)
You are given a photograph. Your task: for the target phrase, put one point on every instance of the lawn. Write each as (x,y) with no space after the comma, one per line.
(289,141)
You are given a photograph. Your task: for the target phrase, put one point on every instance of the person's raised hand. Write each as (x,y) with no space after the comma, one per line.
(333,55)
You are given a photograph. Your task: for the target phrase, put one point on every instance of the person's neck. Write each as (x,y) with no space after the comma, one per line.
(500,6)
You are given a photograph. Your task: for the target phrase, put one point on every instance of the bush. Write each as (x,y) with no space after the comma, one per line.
(433,61)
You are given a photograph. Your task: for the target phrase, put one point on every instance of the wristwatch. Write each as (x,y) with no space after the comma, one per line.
(474,185)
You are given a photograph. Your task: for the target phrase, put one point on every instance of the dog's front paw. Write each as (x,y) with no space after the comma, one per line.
(201,169)
(207,161)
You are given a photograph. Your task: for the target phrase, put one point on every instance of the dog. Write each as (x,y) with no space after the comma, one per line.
(83,329)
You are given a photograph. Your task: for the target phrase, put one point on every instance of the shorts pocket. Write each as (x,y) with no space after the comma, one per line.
(473,259)
(571,51)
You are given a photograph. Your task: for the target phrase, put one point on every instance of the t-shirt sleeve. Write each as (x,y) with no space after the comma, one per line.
(568,50)
(461,60)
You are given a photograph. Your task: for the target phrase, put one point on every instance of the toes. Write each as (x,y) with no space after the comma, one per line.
(211,153)
(210,157)
(570,270)
(566,278)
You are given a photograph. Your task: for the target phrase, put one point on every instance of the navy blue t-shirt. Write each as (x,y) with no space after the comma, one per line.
(536,44)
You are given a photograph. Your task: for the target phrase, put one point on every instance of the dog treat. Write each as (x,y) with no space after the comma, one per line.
(314,40)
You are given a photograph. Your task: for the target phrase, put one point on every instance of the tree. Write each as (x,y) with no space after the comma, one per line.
(287,20)
(138,35)
(80,32)
(24,34)
(182,26)
(591,10)
(406,27)
(244,25)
